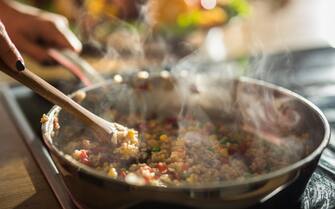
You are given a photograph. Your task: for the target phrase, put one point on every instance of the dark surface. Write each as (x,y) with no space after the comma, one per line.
(310,73)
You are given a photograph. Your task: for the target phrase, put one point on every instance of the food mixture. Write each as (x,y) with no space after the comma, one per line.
(185,151)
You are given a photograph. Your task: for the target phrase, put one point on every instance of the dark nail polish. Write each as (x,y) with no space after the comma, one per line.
(20,66)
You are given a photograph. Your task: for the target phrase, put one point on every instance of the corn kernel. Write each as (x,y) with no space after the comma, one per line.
(44,118)
(163,138)
(131,133)
(112,172)
(76,154)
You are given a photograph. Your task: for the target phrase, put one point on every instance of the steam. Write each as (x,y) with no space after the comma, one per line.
(203,79)
(261,112)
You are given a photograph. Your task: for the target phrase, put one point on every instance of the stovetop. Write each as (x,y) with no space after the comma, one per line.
(310,73)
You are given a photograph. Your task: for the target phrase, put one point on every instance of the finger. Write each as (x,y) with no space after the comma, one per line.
(8,52)
(59,34)
(33,49)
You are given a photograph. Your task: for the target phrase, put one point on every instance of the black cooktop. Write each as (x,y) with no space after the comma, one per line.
(310,73)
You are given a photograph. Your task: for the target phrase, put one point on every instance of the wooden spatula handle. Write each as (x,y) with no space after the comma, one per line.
(43,88)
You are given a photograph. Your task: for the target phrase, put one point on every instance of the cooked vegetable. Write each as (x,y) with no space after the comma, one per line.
(179,151)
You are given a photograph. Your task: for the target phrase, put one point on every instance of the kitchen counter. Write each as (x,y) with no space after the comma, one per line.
(22,184)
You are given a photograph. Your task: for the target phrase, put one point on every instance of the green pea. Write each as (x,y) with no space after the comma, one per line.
(224,140)
(156,149)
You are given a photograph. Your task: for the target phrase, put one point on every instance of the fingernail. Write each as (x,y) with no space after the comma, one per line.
(20,66)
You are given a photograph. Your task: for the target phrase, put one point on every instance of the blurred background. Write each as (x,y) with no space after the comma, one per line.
(129,34)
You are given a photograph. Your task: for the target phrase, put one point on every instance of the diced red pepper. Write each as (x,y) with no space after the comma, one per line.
(162,167)
(123,173)
(83,157)
(83,154)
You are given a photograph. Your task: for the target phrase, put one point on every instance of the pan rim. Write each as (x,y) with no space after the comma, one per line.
(208,186)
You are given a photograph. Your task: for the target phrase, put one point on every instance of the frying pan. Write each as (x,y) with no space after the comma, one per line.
(96,190)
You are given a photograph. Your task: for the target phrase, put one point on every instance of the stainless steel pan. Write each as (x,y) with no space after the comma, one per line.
(158,94)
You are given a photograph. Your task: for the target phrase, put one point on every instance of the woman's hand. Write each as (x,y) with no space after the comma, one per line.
(8,52)
(34,31)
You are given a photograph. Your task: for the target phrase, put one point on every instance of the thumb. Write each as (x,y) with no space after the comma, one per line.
(8,52)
